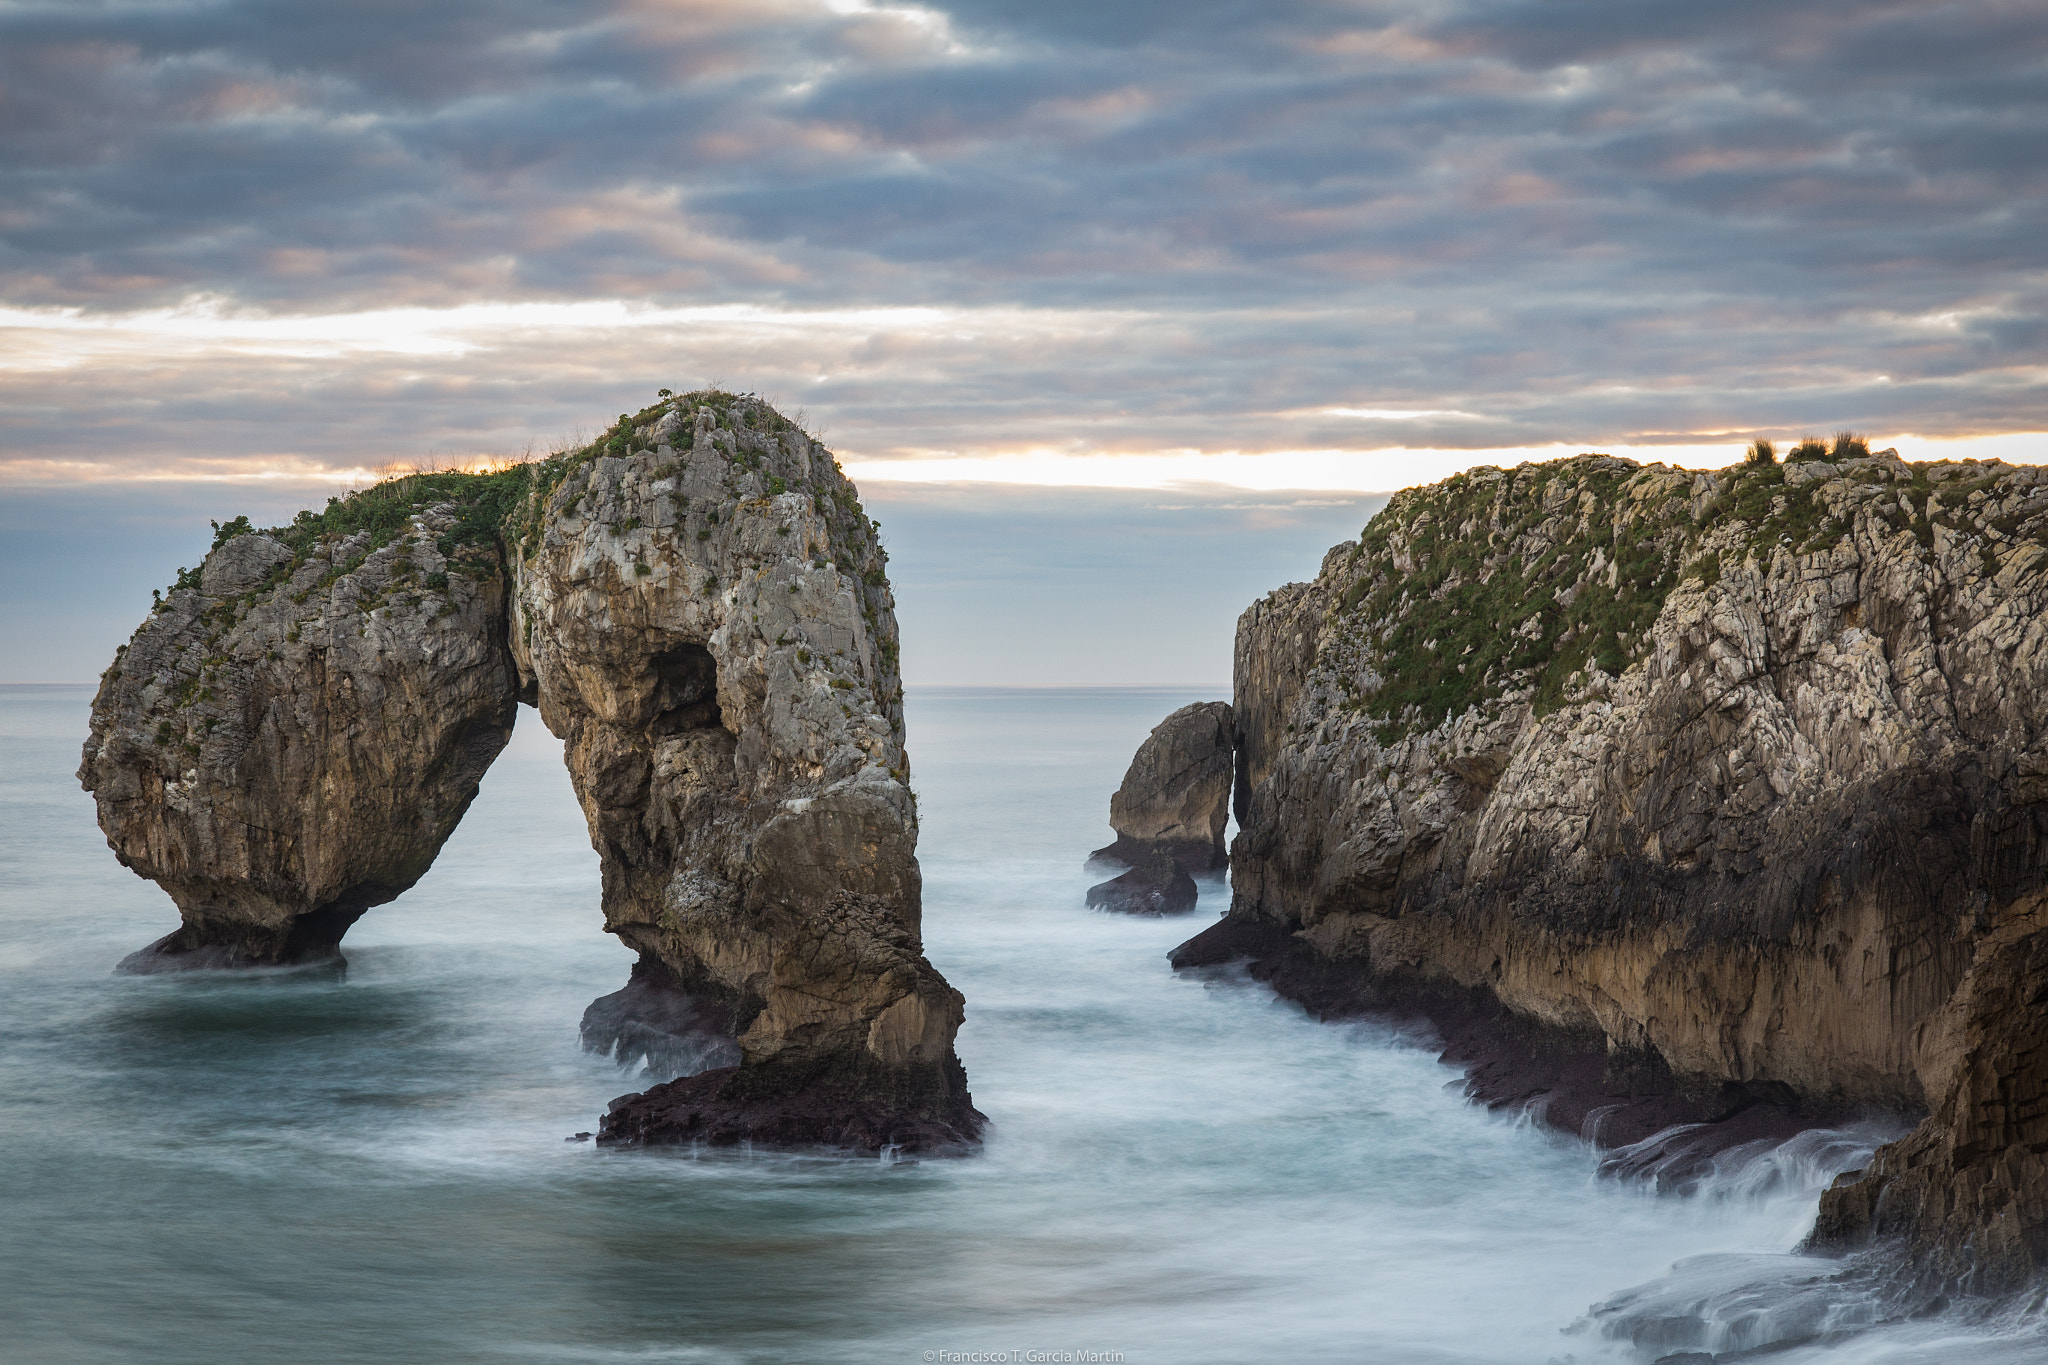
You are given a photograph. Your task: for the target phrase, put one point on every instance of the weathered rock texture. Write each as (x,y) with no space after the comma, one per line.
(699,608)
(709,628)
(652,1021)
(1681,796)
(1175,797)
(1968,1190)
(290,736)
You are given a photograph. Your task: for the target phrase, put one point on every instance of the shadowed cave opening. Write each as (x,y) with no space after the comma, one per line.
(686,690)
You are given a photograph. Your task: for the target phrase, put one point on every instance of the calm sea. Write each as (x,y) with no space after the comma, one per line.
(371,1166)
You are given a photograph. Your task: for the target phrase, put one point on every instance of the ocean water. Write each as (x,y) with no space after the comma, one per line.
(370,1166)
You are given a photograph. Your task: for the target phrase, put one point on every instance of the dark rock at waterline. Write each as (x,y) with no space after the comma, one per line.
(1679,1155)
(652,1019)
(1231,940)
(167,955)
(1563,1078)
(1154,888)
(1175,797)
(1196,857)
(308,940)
(729,1106)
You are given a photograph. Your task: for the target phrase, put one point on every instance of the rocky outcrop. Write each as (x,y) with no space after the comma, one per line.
(653,1022)
(1967,1191)
(708,626)
(1153,886)
(1678,796)
(700,609)
(1175,797)
(1170,813)
(293,733)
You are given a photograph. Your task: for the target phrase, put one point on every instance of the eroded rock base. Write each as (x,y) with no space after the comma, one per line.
(652,1020)
(1563,1079)
(311,940)
(933,1114)
(1195,856)
(1966,1194)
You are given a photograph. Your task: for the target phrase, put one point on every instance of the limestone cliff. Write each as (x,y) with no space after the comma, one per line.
(700,609)
(1677,796)
(1967,1191)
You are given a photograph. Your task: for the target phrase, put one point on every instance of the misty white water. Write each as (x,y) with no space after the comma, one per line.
(371,1167)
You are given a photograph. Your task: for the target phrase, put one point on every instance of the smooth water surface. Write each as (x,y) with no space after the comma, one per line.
(370,1165)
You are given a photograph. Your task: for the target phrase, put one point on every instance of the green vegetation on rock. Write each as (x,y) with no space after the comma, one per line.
(498,510)
(483,504)
(1518,584)
(1518,580)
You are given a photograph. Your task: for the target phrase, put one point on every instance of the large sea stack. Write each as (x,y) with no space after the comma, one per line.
(1671,796)
(699,608)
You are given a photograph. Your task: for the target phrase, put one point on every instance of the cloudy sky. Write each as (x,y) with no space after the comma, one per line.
(1141,297)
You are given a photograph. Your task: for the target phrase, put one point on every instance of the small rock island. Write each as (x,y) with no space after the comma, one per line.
(699,607)
(1170,813)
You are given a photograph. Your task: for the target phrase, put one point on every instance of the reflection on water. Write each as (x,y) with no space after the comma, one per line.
(370,1166)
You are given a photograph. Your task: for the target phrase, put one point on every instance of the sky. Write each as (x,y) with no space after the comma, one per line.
(1120,313)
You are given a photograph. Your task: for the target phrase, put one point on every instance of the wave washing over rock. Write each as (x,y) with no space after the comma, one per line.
(1695,809)
(698,606)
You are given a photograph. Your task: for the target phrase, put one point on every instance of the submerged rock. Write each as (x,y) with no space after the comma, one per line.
(1716,797)
(652,1021)
(1155,887)
(699,608)
(730,1106)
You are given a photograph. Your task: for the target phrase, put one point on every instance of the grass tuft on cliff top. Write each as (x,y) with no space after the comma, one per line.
(484,503)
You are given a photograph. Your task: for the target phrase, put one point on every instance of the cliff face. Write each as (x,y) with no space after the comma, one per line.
(1727,781)
(1967,1191)
(699,608)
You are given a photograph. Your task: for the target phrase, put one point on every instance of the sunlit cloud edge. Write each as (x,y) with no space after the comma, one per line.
(1381,470)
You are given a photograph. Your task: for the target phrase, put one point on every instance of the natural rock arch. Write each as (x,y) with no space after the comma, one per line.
(698,607)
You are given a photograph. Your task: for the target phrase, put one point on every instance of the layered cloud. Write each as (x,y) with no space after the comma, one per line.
(266,237)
